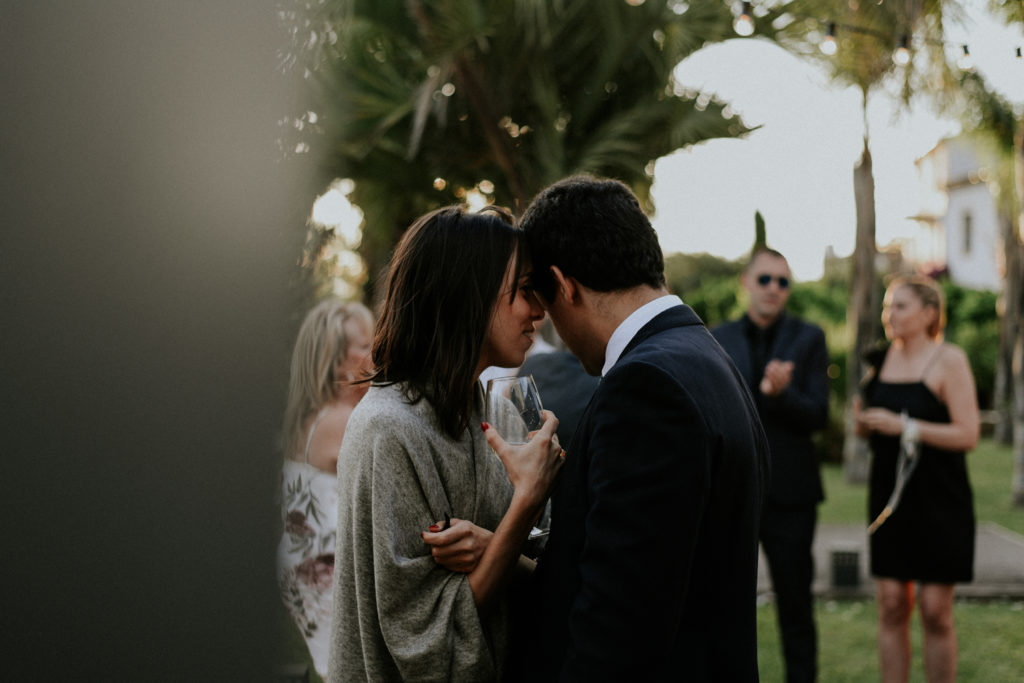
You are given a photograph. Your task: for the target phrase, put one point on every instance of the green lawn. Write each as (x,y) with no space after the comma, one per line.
(990,638)
(990,634)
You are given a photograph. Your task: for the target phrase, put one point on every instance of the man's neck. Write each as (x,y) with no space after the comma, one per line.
(761,321)
(595,316)
(614,307)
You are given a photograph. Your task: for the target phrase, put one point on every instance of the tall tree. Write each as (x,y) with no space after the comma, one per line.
(857,42)
(994,120)
(760,233)
(1006,125)
(424,101)
(1011,10)
(1015,308)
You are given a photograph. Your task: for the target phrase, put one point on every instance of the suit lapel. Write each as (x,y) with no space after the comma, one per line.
(677,316)
(782,345)
(741,358)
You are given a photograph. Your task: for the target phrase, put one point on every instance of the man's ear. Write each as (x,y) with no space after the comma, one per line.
(565,285)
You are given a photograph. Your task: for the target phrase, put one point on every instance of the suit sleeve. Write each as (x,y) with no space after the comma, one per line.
(648,478)
(803,405)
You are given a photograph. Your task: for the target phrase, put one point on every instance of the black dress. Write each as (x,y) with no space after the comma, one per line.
(930,535)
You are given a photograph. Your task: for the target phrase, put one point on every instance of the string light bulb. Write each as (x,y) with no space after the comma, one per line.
(966,63)
(902,54)
(744,24)
(828,45)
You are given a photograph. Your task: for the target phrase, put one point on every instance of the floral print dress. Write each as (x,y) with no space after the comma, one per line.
(305,555)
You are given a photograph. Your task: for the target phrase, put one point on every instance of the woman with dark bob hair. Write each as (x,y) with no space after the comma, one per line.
(430,523)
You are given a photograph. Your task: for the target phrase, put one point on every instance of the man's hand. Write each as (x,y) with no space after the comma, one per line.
(777,376)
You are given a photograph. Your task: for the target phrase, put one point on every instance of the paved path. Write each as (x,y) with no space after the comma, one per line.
(998,563)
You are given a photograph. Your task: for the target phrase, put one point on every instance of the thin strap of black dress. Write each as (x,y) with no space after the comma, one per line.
(931,361)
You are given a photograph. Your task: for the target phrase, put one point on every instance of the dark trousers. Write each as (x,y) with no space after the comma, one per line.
(787,532)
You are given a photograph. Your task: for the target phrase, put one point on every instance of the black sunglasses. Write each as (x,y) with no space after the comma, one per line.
(764,280)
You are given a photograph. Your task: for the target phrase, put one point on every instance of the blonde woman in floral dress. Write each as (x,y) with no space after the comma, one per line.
(332,350)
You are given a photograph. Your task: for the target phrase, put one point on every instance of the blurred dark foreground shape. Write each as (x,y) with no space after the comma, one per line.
(148,225)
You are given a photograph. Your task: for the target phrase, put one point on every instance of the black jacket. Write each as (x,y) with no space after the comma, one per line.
(650,572)
(790,418)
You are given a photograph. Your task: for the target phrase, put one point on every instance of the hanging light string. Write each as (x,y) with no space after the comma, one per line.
(744,26)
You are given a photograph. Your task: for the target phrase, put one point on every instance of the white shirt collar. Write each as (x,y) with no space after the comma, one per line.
(625,332)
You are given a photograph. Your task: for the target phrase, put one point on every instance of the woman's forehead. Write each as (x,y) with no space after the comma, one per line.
(518,264)
(904,293)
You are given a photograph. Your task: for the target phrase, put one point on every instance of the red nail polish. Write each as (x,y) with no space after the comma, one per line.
(435,528)
(485,426)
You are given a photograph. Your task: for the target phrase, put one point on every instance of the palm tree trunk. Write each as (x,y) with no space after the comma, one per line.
(1009,330)
(1017,285)
(862,309)
(1018,420)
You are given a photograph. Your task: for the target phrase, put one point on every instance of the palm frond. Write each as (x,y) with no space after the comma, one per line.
(518,92)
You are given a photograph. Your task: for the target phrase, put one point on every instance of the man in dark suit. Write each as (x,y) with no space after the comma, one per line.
(650,571)
(784,362)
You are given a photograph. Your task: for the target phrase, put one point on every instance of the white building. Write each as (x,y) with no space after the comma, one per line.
(959,216)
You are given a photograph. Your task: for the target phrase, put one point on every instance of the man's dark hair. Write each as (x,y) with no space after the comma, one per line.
(762,249)
(444,279)
(595,231)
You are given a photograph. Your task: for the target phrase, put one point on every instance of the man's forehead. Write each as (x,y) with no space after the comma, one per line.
(765,260)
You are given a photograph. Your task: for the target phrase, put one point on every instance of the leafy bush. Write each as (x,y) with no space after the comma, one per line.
(973,324)
(708,284)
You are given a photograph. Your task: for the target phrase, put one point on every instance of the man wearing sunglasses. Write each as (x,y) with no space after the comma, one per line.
(784,362)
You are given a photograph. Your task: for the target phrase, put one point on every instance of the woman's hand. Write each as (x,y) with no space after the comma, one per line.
(533,466)
(882,421)
(459,547)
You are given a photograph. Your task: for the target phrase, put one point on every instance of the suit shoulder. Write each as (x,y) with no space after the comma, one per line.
(643,382)
(727,327)
(687,357)
(804,325)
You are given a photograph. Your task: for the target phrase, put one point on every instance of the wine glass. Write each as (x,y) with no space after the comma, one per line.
(513,407)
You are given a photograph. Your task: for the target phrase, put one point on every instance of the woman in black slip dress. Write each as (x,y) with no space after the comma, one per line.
(920,387)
